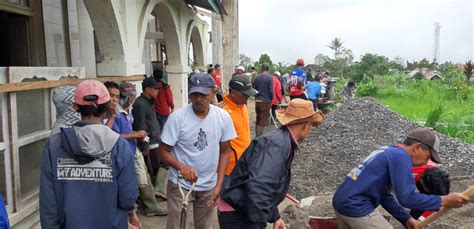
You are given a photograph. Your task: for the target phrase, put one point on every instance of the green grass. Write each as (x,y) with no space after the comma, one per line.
(448,107)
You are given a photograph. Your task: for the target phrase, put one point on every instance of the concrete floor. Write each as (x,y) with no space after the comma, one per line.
(159,222)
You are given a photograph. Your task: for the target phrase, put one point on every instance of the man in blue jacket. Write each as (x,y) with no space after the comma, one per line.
(87,171)
(385,171)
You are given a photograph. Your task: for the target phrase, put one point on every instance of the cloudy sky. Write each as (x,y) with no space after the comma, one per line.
(288,29)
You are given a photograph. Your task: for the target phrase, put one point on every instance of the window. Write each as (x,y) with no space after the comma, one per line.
(32,115)
(30,160)
(3,182)
(20,2)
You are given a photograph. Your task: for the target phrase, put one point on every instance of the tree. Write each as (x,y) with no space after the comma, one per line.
(321,59)
(397,63)
(336,46)
(264,59)
(245,61)
(369,65)
(468,71)
(282,67)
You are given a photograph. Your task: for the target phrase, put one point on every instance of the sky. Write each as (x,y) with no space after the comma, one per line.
(289,29)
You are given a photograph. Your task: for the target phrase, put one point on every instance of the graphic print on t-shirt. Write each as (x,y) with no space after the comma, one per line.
(201,142)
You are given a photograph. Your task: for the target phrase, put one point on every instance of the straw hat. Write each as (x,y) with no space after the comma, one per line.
(299,111)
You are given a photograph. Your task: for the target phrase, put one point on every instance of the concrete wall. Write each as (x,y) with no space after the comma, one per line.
(69,35)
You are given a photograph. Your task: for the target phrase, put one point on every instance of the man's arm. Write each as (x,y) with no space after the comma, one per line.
(225,150)
(266,168)
(169,97)
(270,89)
(403,185)
(139,123)
(49,211)
(166,155)
(393,207)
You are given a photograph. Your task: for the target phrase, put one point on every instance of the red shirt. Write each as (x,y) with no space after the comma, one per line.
(417,173)
(277,96)
(217,79)
(164,101)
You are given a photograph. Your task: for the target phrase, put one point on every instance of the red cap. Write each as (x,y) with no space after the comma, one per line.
(91,93)
(300,62)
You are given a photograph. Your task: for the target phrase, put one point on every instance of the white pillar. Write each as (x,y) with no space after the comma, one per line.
(217,56)
(230,40)
(178,81)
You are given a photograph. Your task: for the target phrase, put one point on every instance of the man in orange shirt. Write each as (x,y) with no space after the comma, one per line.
(235,103)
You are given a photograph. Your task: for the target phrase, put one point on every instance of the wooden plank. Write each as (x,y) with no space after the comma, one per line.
(33,85)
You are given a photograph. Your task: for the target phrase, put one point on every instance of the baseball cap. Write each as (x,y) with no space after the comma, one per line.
(127,89)
(241,68)
(277,73)
(241,83)
(201,83)
(150,82)
(428,138)
(91,93)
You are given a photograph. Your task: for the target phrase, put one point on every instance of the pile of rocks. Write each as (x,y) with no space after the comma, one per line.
(349,134)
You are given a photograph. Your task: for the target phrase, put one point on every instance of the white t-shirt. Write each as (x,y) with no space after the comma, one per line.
(196,142)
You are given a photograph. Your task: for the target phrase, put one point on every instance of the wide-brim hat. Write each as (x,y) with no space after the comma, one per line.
(299,111)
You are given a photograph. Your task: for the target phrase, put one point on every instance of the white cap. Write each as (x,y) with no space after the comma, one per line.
(240,68)
(277,73)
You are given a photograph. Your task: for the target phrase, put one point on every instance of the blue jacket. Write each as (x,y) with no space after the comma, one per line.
(313,89)
(87,179)
(384,171)
(4,222)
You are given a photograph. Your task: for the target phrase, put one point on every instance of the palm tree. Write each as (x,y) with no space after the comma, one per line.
(336,45)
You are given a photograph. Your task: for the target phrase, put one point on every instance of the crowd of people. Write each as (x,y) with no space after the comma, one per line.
(111,153)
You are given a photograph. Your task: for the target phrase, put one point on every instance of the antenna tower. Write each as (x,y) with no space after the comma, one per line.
(436,33)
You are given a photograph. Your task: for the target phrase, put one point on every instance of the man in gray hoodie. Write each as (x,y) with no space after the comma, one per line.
(87,171)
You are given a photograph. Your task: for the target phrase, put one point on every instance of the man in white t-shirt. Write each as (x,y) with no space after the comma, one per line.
(195,143)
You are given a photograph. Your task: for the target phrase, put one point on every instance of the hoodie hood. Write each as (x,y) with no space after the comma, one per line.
(87,140)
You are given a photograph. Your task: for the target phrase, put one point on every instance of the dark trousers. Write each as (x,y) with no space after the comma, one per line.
(237,220)
(302,96)
(315,103)
(274,108)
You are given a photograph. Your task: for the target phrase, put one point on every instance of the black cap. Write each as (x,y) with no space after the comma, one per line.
(241,83)
(150,82)
(201,83)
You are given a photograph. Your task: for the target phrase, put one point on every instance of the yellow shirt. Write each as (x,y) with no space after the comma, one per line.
(240,118)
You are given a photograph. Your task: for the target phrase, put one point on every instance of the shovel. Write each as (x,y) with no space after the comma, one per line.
(184,208)
(469,193)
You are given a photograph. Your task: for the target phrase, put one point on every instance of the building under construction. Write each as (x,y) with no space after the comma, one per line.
(48,43)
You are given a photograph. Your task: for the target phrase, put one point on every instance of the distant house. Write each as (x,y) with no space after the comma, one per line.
(426,73)
(432,75)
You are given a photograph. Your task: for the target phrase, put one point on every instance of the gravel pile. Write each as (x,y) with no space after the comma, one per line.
(349,134)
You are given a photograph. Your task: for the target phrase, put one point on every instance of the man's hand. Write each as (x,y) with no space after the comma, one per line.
(140,134)
(134,221)
(412,224)
(279,224)
(188,174)
(454,200)
(215,194)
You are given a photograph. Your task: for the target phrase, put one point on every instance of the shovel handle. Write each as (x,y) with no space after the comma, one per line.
(469,193)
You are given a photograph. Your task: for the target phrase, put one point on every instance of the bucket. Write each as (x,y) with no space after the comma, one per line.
(323,223)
